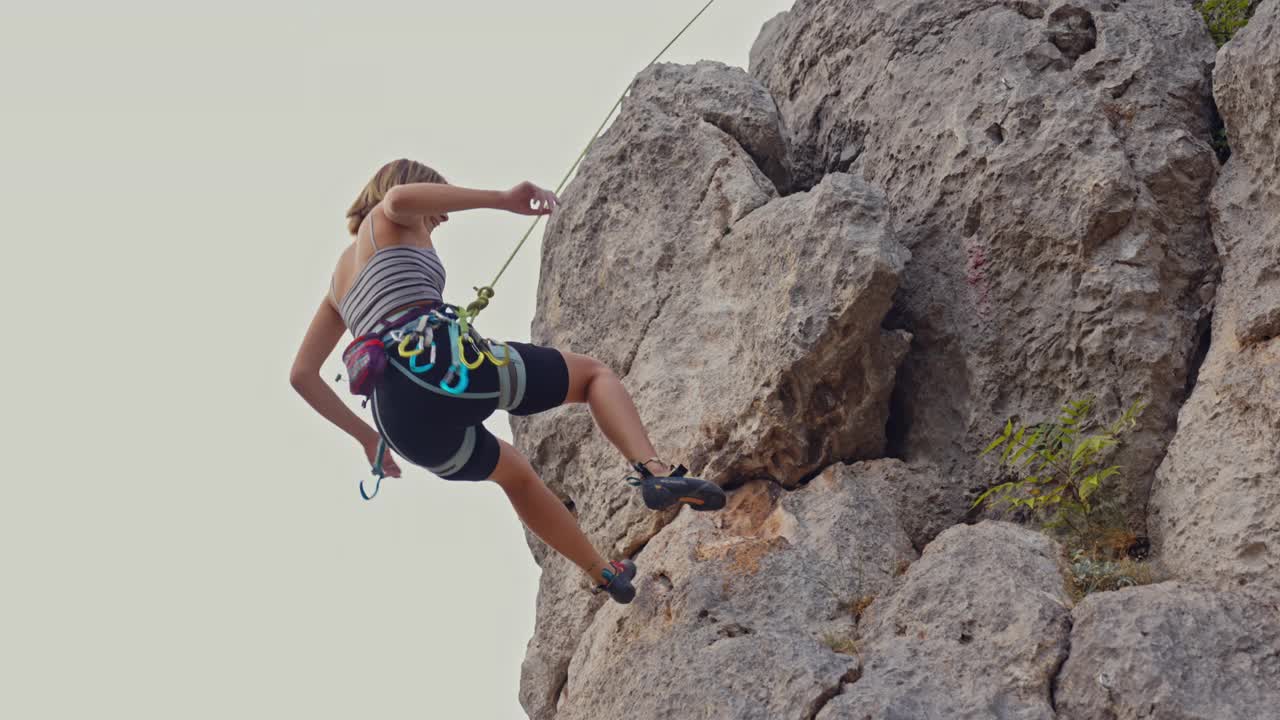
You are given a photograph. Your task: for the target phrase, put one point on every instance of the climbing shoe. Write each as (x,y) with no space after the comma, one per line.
(663,492)
(618,581)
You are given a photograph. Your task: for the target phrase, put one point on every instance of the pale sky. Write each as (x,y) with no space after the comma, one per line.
(181,533)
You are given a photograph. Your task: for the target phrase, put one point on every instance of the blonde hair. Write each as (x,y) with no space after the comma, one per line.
(396,172)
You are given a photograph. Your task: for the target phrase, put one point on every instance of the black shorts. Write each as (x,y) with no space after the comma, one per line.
(442,432)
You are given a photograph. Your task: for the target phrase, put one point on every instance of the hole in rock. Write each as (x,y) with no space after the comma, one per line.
(1028,9)
(1072,31)
(664,582)
(898,426)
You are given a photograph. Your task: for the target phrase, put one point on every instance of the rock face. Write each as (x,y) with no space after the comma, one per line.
(722,597)
(1046,168)
(746,325)
(1246,202)
(1172,652)
(1047,165)
(760,314)
(1216,504)
(925,502)
(727,98)
(978,630)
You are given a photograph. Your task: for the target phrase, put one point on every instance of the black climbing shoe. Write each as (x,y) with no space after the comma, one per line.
(663,492)
(618,581)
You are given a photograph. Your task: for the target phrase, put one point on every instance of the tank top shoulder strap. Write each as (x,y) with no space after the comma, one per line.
(372,238)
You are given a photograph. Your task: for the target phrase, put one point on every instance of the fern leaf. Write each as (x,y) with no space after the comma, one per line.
(1022,446)
(1088,487)
(983,496)
(994,444)
(1008,429)
(1091,446)
(1009,448)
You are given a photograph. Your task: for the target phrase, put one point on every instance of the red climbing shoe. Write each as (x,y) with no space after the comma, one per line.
(618,581)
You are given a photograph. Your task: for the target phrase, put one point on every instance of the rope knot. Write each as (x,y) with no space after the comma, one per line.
(483,295)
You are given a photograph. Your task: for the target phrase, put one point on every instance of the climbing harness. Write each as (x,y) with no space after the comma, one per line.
(413,337)
(412,334)
(366,358)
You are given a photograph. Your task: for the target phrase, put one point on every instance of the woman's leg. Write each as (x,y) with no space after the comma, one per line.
(594,383)
(543,513)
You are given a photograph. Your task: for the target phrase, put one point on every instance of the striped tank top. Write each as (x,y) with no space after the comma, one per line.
(395,276)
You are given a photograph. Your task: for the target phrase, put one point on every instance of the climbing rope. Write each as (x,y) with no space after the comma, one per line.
(485,294)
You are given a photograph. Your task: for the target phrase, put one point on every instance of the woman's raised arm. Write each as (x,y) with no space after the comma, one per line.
(403,202)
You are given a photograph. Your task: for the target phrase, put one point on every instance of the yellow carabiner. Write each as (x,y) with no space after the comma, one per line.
(506,356)
(462,355)
(404,344)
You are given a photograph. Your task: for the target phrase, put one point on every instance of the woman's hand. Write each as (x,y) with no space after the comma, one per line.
(529,199)
(389,467)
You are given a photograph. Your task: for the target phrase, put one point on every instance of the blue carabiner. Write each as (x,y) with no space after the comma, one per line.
(460,372)
(414,366)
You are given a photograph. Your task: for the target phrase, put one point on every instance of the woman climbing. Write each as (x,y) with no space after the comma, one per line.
(390,282)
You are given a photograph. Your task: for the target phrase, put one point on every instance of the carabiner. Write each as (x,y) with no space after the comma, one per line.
(431,343)
(377,471)
(456,370)
(460,372)
(462,355)
(414,366)
(404,345)
(506,356)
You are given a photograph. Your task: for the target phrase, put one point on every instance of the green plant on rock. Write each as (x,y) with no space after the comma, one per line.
(1225,17)
(1058,466)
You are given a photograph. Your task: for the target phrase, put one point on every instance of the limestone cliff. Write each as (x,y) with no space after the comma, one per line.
(828,279)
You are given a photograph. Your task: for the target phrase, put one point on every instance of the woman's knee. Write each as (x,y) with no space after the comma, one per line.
(583,371)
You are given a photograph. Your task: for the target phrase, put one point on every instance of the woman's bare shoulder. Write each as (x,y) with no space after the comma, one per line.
(337,276)
(344,257)
(388,231)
